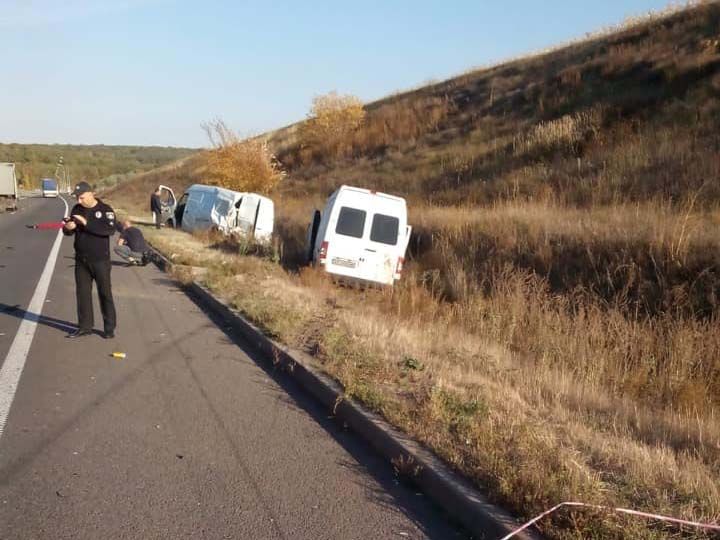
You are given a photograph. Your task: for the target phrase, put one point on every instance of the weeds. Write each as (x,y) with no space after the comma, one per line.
(503,386)
(566,134)
(555,336)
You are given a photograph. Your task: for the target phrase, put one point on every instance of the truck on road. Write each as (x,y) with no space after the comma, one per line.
(8,186)
(50,187)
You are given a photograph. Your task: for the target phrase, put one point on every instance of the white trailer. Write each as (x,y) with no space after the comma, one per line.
(8,185)
(361,235)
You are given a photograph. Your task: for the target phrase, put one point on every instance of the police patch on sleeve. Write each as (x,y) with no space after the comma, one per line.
(98,214)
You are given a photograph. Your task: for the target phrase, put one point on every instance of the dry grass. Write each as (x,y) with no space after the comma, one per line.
(556,334)
(624,297)
(531,431)
(567,133)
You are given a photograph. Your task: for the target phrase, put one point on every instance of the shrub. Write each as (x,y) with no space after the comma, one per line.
(331,122)
(241,165)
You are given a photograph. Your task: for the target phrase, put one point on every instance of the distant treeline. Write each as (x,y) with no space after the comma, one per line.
(94,163)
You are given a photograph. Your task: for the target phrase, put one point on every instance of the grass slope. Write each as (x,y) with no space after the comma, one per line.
(556,335)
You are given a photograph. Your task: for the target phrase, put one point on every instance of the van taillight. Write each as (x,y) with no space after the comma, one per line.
(400,264)
(323,252)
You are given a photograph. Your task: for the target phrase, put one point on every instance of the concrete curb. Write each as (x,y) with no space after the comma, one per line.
(446,488)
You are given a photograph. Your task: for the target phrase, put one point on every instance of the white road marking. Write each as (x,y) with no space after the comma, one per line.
(17,355)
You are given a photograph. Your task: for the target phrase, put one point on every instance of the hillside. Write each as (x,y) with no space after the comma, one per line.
(631,116)
(555,335)
(98,164)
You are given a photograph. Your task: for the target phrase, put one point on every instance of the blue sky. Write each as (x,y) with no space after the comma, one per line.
(151,71)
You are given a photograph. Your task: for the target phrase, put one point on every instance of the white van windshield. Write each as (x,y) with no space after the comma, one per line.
(351,222)
(384,229)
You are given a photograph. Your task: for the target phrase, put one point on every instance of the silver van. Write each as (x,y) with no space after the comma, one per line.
(205,207)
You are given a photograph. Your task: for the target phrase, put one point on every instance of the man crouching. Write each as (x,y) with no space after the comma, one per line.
(131,245)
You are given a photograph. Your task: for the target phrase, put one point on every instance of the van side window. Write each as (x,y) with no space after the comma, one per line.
(384,229)
(207,202)
(351,222)
(222,207)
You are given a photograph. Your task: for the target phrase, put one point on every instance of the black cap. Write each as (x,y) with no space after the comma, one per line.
(80,188)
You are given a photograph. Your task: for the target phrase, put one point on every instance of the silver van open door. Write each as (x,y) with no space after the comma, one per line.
(169,202)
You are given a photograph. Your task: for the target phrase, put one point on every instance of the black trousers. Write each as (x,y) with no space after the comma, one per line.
(85,272)
(157,215)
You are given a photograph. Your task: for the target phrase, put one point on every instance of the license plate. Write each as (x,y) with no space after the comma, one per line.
(347,263)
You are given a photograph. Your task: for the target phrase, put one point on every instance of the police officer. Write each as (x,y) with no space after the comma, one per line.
(93,223)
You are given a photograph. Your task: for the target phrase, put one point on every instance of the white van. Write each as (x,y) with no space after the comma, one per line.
(203,207)
(50,188)
(361,235)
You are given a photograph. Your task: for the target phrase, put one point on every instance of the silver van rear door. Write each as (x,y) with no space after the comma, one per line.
(247,213)
(198,211)
(221,212)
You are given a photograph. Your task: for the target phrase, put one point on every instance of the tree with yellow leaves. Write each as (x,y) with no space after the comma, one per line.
(331,122)
(241,165)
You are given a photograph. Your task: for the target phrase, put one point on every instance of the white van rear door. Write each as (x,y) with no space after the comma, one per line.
(204,215)
(345,244)
(382,249)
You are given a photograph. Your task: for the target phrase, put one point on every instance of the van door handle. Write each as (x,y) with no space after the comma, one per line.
(371,250)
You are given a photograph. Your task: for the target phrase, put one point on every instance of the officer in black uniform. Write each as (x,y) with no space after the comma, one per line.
(93,223)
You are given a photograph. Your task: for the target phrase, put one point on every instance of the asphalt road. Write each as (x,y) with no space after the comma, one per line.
(187,437)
